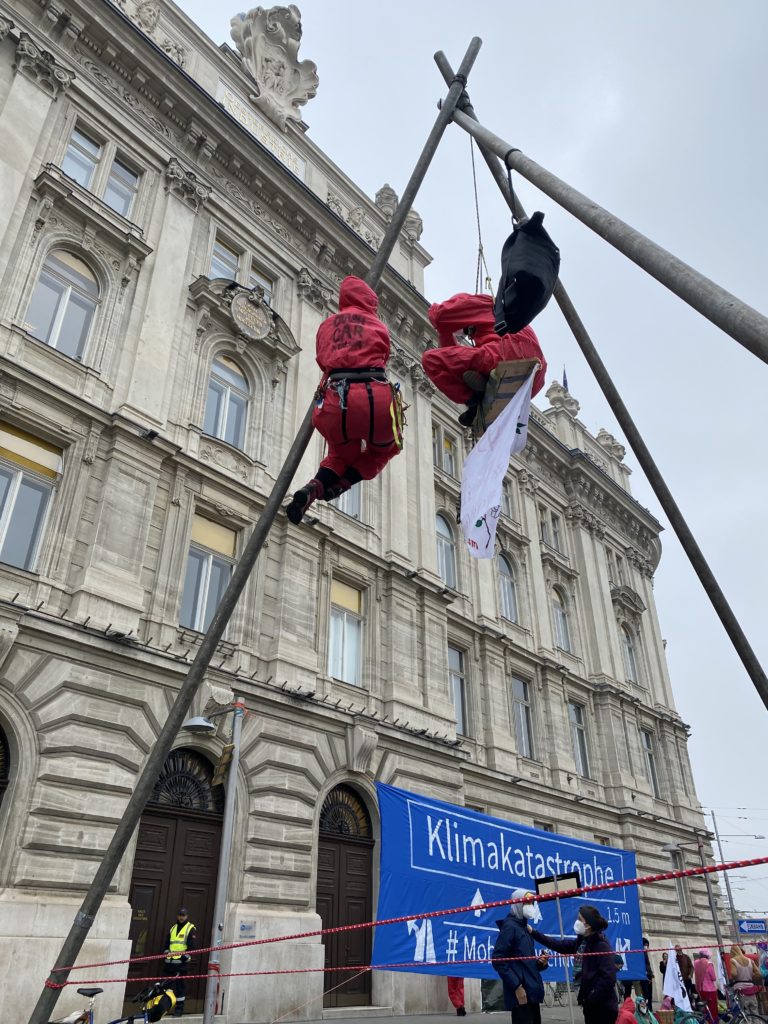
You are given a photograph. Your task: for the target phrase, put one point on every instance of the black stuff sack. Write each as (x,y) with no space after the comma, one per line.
(530,262)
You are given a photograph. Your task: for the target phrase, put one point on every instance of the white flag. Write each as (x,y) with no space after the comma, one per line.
(673,981)
(484,469)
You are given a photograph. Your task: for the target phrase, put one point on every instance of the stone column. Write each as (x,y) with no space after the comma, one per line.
(168,267)
(39,80)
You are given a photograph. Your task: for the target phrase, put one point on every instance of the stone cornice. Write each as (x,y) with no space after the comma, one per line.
(186,186)
(41,67)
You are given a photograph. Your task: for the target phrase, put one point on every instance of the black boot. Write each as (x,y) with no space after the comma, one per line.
(467,418)
(303,498)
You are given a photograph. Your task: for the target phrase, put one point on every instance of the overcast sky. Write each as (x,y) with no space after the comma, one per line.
(657,111)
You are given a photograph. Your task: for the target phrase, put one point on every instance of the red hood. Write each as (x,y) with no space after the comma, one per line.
(463,310)
(354,292)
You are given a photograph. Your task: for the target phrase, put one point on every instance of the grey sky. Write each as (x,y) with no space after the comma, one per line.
(656,110)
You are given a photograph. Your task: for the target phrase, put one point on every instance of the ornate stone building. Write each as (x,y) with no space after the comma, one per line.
(171,238)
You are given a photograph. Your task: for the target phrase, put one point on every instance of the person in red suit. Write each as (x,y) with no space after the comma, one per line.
(460,368)
(357,410)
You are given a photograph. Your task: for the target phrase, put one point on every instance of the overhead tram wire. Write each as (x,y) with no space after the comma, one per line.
(736,318)
(145,783)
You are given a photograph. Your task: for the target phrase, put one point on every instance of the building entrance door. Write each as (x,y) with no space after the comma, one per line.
(176,864)
(344,895)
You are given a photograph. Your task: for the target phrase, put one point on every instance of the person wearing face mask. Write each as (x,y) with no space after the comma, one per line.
(521,978)
(597,995)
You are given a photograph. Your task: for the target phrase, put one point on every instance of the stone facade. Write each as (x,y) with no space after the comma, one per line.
(91,650)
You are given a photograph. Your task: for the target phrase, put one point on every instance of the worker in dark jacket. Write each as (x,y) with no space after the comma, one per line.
(597,989)
(521,978)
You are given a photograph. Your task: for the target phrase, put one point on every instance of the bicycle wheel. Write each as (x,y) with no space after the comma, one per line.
(755,1018)
(549,995)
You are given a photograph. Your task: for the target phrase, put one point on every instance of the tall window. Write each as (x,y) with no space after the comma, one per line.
(28,469)
(560,618)
(579,738)
(227,405)
(521,708)
(458,684)
(507,589)
(63,303)
(616,576)
(98,168)
(507,504)
(350,502)
(683,901)
(346,637)
(550,529)
(649,755)
(209,568)
(224,261)
(238,264)
(256,277)
(444,450)
(446,552)
(630,659)
(557,536)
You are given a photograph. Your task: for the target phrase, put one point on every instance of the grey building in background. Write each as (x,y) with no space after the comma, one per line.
(170,240)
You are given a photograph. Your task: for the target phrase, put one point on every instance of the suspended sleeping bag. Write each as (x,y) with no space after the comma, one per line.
(530,261)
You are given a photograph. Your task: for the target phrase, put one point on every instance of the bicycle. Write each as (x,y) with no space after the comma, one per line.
(735,1012)
(157,1001)
(555,993)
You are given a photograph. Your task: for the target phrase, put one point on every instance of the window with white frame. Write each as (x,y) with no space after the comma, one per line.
(238,265)
(29,469)
(576,720)
(444,450)
(350,501)
(681,885)
(551,529)
(63,303)
(226,408)
(616,573)
(507,589)
(458,684)
(446,552)
(649,755)
(507,503)
(629,652)
(521,713)
(209,568)
(543,826)
(560,620)
(345,646)
(99,168)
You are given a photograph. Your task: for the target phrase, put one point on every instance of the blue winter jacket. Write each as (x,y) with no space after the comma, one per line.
(515,940)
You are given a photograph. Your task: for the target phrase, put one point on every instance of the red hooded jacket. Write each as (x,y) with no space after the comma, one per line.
(446,365)
(354,337)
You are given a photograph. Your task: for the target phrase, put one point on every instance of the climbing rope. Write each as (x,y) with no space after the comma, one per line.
(481,264)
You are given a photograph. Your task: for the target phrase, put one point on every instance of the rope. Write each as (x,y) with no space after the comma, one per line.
(446,912)
(481,264)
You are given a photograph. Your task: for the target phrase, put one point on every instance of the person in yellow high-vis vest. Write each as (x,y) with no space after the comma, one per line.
(182,938)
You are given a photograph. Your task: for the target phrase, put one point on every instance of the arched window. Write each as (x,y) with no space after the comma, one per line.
(507,589)
(630,658)
(560,617)
(446,552)
(344,814)
(61,309)
(227,405)
(186,783)
(5,764)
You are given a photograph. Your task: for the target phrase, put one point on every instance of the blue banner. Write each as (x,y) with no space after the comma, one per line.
(435,855)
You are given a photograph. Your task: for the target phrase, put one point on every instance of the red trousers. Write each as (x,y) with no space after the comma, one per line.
(710,998)
(362,436)
(456,991)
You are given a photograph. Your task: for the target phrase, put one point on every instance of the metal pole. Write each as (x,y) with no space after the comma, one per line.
(145,783)
(744,324)
(566,961)
(711,895)
(734,920)
(676,519)
(222,881)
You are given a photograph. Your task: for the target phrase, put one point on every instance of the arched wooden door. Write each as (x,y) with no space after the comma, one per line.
(345,894)
(176,865)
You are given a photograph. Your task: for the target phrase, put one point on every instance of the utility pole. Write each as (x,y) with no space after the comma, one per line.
(734,921)
(73,943)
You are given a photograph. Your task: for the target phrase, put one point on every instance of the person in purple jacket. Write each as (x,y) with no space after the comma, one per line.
(597,989)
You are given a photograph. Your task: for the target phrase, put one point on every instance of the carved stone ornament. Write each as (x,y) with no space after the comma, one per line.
(313,290)
(5,27)
(251,316)
(386,200)
(186,185)
(269,40)
(413,226)
(224,458)
(610,444)
(147,16)
(578,514)
(560,399)
(40,67)
(241,311)
(361,745)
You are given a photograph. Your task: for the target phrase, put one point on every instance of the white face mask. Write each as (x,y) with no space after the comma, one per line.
(579,927)
(530,911)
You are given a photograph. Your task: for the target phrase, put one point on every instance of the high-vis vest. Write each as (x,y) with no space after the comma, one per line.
(179,937)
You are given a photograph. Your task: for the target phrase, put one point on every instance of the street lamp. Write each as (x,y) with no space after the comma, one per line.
(718,837)
(203,724)
(699,842)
